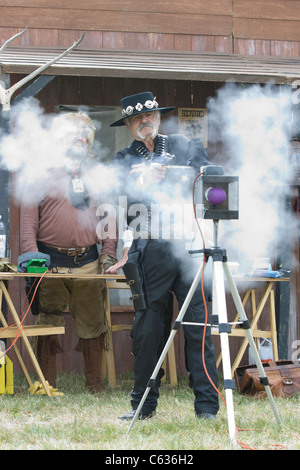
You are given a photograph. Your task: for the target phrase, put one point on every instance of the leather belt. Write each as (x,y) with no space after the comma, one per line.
(69,257)
(73,251)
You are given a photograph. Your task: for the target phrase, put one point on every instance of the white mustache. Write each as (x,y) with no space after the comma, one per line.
(146,124)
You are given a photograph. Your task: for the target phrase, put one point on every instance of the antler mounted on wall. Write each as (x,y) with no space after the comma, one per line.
(5,95)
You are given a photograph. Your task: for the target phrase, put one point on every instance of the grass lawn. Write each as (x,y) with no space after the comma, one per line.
(83,421)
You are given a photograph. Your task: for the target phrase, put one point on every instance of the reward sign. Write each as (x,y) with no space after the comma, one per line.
(192,122)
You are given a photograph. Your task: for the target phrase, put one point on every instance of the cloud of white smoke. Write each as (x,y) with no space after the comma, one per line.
(250,122)
(253,125)
(33,147)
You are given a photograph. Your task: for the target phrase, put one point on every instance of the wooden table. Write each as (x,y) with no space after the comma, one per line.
(35,330)
(252,285)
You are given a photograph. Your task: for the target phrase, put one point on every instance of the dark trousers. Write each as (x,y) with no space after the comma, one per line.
(169,267)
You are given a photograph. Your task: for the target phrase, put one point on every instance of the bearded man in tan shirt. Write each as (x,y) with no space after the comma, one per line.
(59,218)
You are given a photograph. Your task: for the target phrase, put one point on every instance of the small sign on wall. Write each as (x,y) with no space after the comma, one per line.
(192,122)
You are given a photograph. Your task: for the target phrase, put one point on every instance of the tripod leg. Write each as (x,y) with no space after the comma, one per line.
(219,303)
(243,317)
(175,327)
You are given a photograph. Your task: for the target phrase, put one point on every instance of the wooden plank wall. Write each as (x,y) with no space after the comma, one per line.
(255,27)
(266,27)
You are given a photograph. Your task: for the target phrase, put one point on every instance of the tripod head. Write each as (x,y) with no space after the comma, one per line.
(215,251)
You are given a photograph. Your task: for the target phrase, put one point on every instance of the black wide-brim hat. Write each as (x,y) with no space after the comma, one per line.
(137,104)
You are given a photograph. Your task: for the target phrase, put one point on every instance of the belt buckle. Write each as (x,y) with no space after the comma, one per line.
(78,258)
(71,252)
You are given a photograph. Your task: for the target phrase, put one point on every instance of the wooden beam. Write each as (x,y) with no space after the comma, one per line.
(155,65)
(32,330)
(217,7)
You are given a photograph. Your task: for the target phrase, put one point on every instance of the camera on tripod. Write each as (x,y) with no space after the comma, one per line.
(217,195)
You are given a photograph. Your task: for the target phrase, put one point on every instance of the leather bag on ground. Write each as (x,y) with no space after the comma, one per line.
(283,376)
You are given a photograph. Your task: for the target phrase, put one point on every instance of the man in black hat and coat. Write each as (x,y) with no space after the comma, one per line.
(158,168)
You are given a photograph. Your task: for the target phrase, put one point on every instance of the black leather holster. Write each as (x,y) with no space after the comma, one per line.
(134,273)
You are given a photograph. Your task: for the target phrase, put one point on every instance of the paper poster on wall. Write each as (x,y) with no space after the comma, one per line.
(192,122)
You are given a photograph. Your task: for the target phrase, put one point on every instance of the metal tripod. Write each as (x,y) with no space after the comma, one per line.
(219,316)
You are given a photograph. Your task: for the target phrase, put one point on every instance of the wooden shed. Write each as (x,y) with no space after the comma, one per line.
(184,51)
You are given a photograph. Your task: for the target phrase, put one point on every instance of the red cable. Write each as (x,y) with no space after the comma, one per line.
(203,295)
(21,325)
(14,324)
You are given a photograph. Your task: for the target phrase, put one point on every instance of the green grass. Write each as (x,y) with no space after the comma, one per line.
(83,421)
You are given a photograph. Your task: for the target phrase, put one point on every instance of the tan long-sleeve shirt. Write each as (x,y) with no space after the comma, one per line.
(48,216)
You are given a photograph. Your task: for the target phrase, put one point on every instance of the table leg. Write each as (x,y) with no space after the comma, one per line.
(109,355)
(253,325)
(16,349)
(273,326)
(25,339)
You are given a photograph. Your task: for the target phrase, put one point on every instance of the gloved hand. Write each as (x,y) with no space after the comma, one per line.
(106,261)
(24,259)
